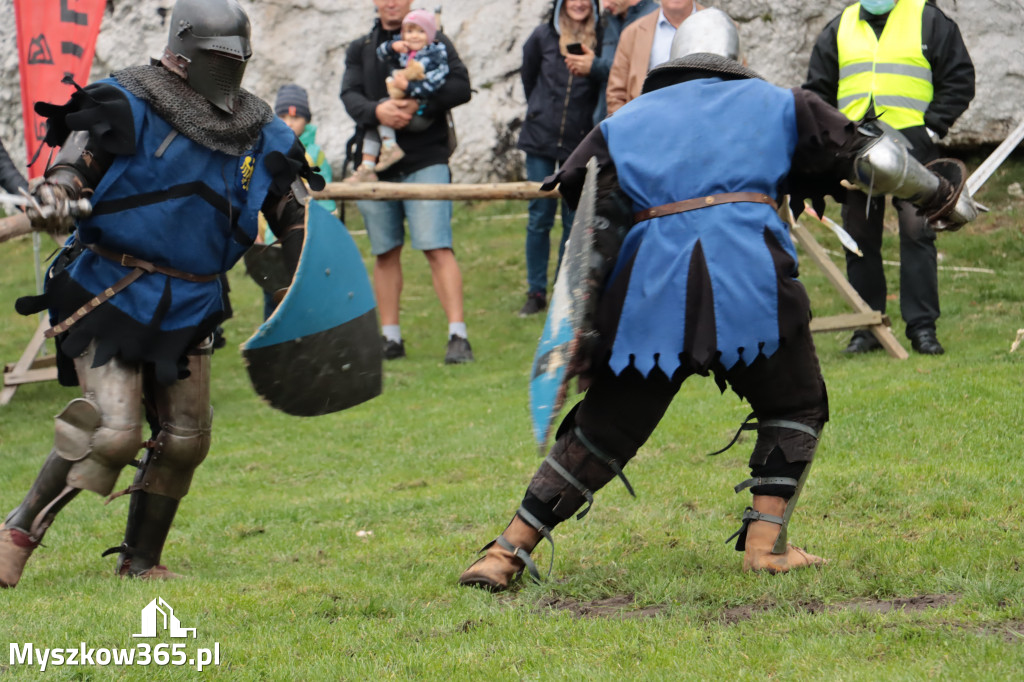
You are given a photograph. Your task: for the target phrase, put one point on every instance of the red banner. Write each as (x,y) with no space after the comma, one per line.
(56,38)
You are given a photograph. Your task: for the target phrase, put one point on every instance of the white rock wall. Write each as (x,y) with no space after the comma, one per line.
(305,41)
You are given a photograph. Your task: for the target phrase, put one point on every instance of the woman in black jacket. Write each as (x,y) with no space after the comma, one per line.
(559,113)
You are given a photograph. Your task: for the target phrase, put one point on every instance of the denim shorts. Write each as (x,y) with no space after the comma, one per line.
(430,221)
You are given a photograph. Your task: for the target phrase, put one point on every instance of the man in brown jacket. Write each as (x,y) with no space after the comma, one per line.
(644,44)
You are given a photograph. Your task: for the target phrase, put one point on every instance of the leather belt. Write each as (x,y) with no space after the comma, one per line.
(138,266)
(703,202)
(130,261)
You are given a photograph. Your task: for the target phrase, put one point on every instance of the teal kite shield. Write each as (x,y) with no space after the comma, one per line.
(320,351)
(568,329)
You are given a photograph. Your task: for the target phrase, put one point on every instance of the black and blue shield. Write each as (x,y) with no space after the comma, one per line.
(320,351)
(569,325)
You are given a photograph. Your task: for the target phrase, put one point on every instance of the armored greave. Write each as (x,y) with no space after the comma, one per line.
(149,521)
(47,496)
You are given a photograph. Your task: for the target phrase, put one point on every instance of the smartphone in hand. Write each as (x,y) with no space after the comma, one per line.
(574,48)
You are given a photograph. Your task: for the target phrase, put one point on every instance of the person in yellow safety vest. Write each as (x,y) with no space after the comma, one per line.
(905,63)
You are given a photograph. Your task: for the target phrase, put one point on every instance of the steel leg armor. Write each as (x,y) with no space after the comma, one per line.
(101,432)
(184,417)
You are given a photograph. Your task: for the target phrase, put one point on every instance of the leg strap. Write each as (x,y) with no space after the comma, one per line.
(750,515)
(778,423)
(575,482)
(612,464)
(521,553)
(767,480)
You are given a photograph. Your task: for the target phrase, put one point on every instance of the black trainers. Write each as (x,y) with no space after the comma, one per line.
(862,342)
(393,349)
(925,342)
(535,302)
(458,351)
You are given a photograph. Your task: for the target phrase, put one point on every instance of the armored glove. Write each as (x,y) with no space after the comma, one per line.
(964,211)
(959,207)
(54,209)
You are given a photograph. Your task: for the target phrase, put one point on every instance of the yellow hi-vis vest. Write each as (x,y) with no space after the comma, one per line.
(890,70)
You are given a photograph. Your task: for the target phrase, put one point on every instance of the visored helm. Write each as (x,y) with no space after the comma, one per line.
(709,31)
(209,39)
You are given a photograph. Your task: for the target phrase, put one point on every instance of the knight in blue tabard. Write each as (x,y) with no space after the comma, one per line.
(177,161)
(703,280)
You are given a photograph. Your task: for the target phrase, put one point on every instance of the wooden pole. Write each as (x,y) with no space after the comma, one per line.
(14,226)
(389,191)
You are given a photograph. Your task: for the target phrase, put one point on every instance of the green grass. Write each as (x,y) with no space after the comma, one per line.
(916,493)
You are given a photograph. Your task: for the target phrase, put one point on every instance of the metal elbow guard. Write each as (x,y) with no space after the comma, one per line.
(886,167)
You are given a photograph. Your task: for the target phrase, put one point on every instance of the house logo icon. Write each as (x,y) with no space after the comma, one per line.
(158,615)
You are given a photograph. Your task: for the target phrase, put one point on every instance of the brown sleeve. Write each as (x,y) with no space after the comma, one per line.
(618,77)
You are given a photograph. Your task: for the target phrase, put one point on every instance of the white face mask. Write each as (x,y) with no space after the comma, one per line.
(878,6)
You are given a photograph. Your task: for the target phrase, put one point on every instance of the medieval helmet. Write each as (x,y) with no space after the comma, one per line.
(706,45)
(710,31)
(209,41)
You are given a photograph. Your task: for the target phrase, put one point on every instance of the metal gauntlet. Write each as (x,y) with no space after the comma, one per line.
(885,166)
(62,197)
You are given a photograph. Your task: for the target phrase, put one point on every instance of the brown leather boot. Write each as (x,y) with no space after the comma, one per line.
(505,558)
(15,549)
(761,537)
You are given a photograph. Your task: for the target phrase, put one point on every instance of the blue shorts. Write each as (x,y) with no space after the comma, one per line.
(430,221)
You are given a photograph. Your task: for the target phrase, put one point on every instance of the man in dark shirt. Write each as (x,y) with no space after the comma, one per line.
(366,100)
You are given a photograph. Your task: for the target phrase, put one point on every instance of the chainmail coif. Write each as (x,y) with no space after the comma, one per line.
(693,66)
(193,115)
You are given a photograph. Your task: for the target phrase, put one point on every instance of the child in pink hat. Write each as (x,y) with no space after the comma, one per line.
(420,64)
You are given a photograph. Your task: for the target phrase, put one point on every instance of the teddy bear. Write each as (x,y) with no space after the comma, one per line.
(413,71)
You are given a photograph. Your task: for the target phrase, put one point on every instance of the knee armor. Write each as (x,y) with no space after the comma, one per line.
(185,418)
(172,461)
(98,444)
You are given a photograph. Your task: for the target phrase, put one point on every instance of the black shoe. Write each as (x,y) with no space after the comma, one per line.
(393,349)
(862,342)
(458,351)
(535,303)
(924,342)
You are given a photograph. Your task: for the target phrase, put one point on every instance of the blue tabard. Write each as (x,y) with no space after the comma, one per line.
(690,140)
(189,208)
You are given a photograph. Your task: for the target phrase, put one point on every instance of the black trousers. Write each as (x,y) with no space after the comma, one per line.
(919,283)
(620,412)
